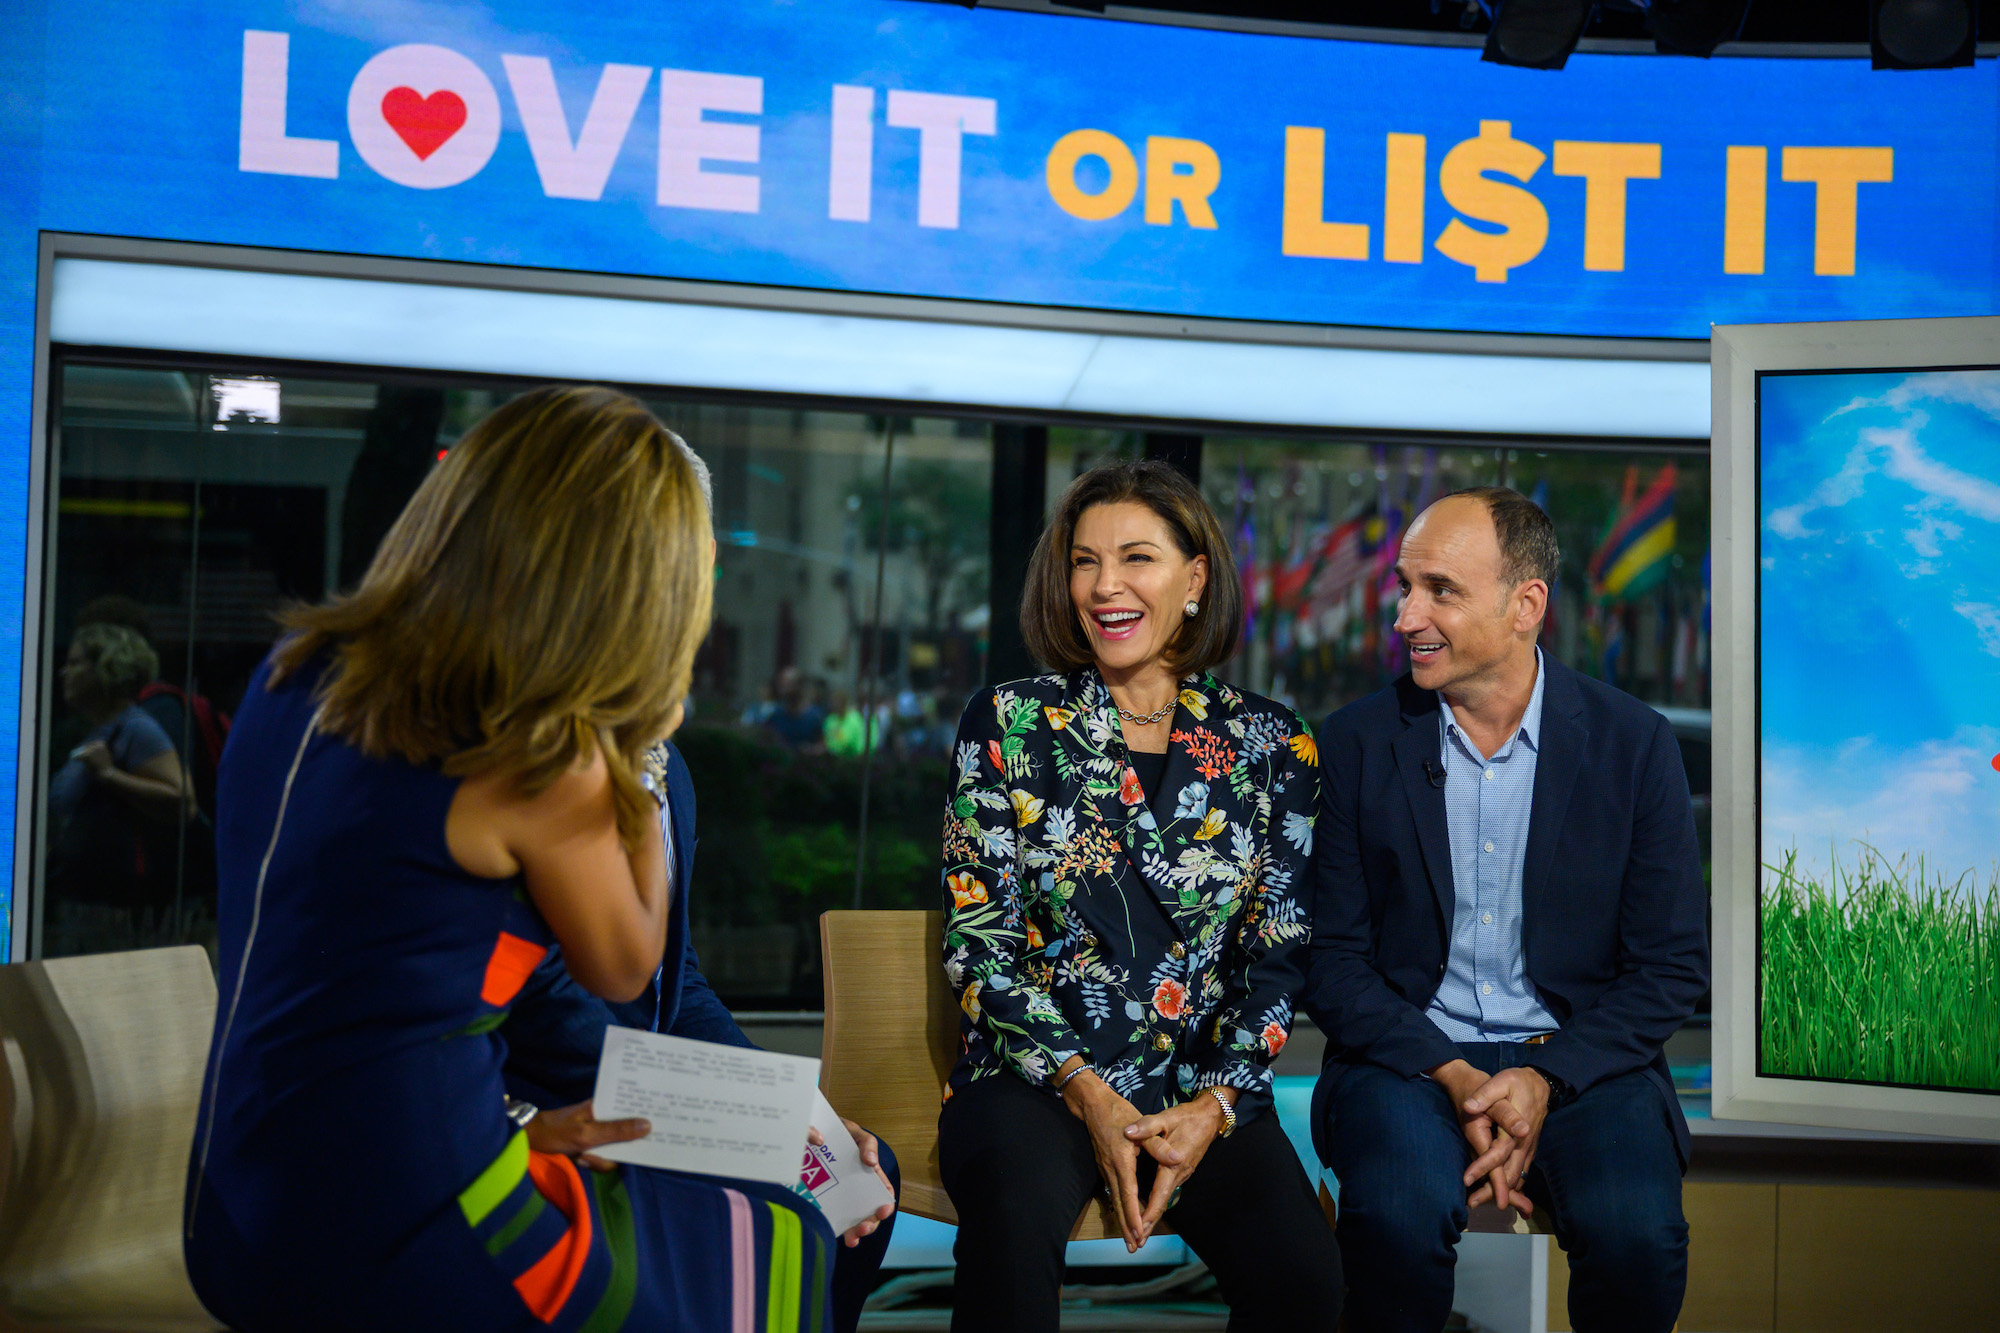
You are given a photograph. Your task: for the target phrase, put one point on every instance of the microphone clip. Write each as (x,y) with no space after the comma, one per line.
(1434,771)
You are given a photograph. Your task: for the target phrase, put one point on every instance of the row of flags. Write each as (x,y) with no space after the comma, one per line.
(1334,587)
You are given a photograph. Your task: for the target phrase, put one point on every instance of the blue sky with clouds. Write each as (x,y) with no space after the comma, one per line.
(1880,554)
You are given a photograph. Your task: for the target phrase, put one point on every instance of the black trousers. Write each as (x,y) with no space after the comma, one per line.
(1019,1169)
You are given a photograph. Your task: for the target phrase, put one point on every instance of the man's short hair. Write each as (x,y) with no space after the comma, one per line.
(1527,536)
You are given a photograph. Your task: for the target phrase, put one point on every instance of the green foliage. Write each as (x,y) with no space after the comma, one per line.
(777,841)
(938,514)
(1881,976)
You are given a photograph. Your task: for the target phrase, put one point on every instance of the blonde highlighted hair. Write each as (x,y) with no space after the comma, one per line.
(539,600)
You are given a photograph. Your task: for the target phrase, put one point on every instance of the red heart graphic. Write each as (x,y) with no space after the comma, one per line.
(424,123)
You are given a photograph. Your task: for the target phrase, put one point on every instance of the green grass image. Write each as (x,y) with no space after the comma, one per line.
(1881,974)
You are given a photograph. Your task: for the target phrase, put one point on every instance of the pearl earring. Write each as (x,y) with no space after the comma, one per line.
(1193,607)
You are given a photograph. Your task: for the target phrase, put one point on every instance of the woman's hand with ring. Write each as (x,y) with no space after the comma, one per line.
(1177,1139)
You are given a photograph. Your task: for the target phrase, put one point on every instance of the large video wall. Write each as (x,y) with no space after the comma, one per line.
(1879,705)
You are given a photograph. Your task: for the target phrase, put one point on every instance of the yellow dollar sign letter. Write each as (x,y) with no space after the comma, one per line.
(1523,221)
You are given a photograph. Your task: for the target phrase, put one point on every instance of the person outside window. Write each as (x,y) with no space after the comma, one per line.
(115,803)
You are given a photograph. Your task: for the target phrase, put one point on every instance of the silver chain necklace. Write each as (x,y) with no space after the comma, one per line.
(1149,718)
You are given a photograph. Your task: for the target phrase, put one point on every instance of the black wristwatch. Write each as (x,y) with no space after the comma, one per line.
(1561,1094)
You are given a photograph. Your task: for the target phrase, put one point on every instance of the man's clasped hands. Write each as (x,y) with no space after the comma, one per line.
(1501,1116)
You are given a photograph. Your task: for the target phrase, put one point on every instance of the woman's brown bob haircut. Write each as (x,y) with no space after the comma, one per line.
(539,600)
(1049,619)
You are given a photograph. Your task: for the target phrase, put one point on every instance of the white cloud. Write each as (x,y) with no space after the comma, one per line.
(1939,800)
(1985,618)
(1843,486)
(1928,537)
(1894,452)
(1906,462)
(1978,389)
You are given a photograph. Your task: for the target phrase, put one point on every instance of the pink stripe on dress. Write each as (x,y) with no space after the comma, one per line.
(743,1265)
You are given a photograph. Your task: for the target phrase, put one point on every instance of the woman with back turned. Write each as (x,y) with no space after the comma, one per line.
(432,779)
(1128,889)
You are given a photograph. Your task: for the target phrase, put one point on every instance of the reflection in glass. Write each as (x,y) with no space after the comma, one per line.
(851,624)
(852,615)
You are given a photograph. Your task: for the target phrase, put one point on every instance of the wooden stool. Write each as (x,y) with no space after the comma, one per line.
(891,1040)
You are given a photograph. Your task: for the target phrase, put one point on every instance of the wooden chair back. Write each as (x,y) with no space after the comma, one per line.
(100,1086)
(892,1037)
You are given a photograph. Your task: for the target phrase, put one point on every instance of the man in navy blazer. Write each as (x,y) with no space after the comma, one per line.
(555,1035)
(1509,925)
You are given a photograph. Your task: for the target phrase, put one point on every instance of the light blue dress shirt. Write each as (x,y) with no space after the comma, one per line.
(1486,994)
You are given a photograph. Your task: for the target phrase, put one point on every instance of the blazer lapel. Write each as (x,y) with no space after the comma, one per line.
(1564,741)
(1119,800)
(1418,753)
(1194,807)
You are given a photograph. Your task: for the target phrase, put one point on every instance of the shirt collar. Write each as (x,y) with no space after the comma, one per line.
(1530,730)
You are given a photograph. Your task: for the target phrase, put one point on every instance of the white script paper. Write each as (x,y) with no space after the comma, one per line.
(846,1188)
(715,1110)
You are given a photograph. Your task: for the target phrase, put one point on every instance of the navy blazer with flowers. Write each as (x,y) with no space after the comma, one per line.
(1167,951)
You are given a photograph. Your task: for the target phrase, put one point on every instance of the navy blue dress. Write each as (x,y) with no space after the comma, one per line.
(352,1166)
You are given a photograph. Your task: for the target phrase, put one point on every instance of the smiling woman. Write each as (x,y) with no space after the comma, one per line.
(1114,955)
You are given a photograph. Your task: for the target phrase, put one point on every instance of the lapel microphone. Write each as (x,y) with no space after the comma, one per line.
(1434,771)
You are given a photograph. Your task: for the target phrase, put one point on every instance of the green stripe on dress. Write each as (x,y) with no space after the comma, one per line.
(781,1310)
(523,1218)
(614,1211)
(819,1282)
(497,1181)
(482,1025)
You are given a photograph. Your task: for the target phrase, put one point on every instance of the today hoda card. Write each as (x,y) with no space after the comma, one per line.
(846,1188)
(715,1110)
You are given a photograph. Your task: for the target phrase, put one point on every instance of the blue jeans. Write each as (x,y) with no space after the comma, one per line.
(1607,1171)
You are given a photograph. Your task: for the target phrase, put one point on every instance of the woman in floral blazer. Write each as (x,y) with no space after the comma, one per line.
(1128,888)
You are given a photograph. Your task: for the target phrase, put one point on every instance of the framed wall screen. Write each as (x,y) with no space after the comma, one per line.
(1857,764)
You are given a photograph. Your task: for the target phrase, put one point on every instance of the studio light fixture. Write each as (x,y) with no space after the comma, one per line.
(1539,34)
(1694,27)
(1922,34)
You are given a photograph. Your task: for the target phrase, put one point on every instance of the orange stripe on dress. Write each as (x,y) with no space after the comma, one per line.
(547,1285)
(507,970)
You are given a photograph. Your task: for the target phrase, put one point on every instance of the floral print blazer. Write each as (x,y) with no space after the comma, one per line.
(1165,951)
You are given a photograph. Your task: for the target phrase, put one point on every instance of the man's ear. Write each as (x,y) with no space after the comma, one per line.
(1531,606)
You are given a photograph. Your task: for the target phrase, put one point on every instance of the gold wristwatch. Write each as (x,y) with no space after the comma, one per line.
(1228,1114)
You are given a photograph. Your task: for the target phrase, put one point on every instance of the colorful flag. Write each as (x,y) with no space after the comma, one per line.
(1639,549)
(1246,547)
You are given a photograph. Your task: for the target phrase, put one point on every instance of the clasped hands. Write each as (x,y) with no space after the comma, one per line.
(573,1131)
(1176,1140)
(1501,1117)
